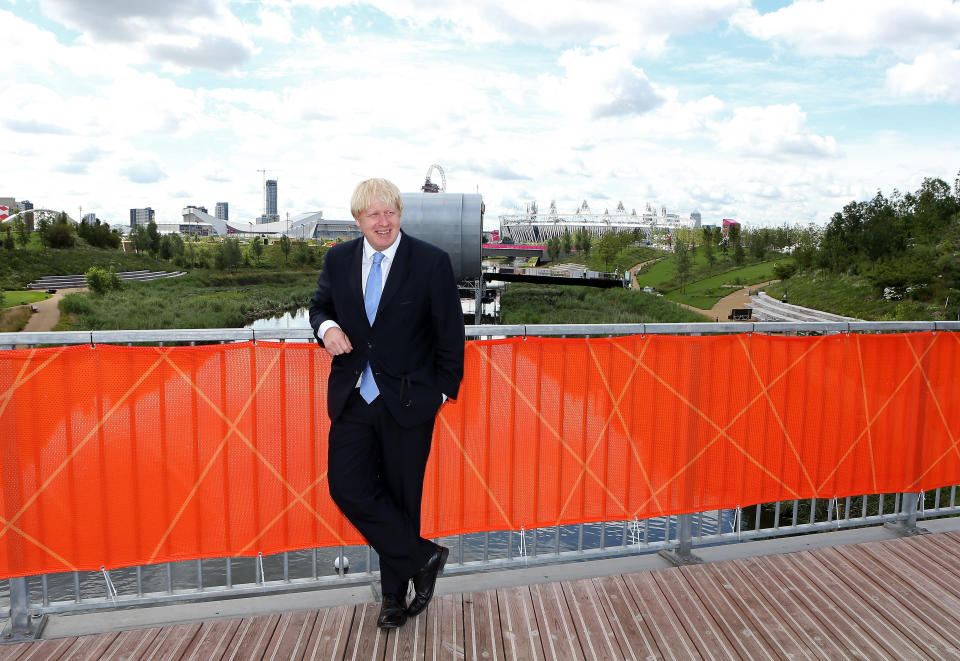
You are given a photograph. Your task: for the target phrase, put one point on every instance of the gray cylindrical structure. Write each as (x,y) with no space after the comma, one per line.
(451,221)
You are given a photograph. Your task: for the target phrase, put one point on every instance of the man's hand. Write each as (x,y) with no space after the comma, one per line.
(336,342)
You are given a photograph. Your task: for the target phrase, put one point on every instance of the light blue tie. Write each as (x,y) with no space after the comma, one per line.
(371,299)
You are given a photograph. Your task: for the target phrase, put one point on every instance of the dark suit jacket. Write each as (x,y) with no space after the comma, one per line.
(415,347)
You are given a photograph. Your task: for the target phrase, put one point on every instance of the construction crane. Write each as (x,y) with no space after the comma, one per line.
(429,186)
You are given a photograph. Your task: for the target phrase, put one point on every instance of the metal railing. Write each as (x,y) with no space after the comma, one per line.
(676,536)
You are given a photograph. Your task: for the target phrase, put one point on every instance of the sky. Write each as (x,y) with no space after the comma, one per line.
(767,112)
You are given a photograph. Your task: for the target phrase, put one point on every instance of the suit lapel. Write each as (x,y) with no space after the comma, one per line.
(398,273)
(355,280)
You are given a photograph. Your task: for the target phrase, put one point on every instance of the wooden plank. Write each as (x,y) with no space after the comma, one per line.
(12,652)
(911,575)
(409,641)
(365,641)
(597,639)
(213,640)
(926,558)
(627,623)
(89,648)
(721,598)
(131,644)
(671,637)
(841,615)
(760,616)
(896,606)
(789,606)
(251,638)
(170,642)
(694,616)
(330,634)
(291,636)
(945,548)
(482,637)
(557,635)
(42,650)
(444,634)
(521,637)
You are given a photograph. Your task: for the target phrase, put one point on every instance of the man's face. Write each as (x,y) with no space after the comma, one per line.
(380,224)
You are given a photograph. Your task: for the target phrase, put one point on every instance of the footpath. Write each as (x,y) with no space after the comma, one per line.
(47,315)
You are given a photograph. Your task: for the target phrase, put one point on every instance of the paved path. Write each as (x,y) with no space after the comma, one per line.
(48,314)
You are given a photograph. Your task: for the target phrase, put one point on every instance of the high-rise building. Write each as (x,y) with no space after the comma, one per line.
(141,216)
(696,219)
(91,218)
(223,211)
(27,206)
(270,214)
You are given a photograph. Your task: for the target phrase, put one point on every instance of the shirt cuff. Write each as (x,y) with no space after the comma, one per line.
(325,326)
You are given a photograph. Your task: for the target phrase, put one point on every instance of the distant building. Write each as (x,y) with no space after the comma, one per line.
(222,211)
(270,202)
(7,205)
(695,219)
(91,218)
(27,206)
(534,227)
(142,216)
(727,223)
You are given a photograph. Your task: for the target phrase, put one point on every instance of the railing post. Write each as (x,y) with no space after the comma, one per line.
(907,525)
(683,554)
(22,627)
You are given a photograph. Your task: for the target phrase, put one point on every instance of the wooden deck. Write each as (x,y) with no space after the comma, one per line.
(897,599)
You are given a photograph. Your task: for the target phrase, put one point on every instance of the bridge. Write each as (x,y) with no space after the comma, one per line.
(613,444)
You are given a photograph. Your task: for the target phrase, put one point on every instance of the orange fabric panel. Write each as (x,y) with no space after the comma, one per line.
(118,456)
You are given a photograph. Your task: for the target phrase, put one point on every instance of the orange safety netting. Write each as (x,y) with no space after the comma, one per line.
(116,456)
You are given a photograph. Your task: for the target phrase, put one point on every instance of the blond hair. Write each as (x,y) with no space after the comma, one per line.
(375,190)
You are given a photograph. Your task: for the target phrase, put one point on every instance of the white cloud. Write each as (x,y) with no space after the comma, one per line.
(186,33)
(932,76)
(644,25)
(146,172)
(855,27)
(600,83)
(775,132)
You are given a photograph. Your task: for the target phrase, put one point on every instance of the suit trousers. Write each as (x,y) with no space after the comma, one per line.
(375,470)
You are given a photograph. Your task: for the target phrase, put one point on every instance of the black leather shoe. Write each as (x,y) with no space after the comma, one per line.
(426,579)
(392,613)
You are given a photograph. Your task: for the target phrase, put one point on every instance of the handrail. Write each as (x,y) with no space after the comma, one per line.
(476,331)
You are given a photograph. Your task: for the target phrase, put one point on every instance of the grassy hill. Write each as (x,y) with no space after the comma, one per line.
(20,267)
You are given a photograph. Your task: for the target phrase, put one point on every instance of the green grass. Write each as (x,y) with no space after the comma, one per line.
(852,296)
(196,300)
(523,303)
(704,294)
(20,267)
(13,320)
(12,298)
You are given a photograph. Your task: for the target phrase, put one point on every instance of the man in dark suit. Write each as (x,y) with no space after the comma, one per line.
(388,311)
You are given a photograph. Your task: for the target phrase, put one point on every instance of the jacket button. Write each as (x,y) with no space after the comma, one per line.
(370,345)
(377,372)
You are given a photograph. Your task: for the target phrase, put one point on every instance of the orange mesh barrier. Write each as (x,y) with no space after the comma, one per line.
(119,456)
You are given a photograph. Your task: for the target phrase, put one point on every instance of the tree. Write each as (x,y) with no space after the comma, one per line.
(140,239)
(285,247)
(681,252)
(8,238)
(708,249)
(61,233)
(566,242)
(171,246)
(553,248)
(43,231)
(154,235)
(20,230)
(302,253)
(257,248)
(608,248)
(229,255)
(738,254)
